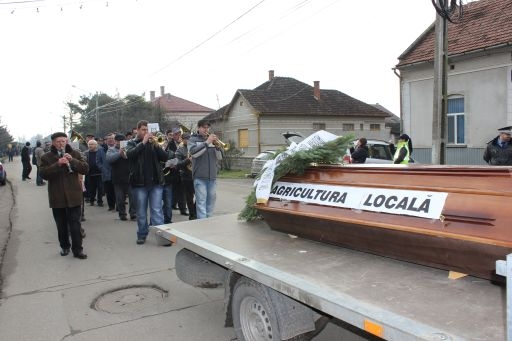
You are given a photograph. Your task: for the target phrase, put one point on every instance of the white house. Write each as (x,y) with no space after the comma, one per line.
(479,82)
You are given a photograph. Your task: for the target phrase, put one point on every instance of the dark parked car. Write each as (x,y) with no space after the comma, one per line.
(3,175)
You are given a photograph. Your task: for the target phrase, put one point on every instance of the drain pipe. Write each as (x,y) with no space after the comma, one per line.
(395,71)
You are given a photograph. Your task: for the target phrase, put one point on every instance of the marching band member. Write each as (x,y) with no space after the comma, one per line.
(146,178)
(205,157)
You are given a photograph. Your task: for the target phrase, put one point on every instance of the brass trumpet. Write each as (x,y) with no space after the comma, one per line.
(159,138)
(219,144)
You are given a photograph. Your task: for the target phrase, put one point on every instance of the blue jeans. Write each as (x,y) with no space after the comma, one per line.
(206,194)
(167,196)
(143,196)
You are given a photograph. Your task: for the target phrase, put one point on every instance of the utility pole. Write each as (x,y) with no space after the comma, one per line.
(64,122)
(439,115)
(97,116)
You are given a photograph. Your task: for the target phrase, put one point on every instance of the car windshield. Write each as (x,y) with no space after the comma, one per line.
(380,151)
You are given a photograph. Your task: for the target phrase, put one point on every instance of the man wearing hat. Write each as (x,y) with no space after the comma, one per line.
(120,174)
(185,169)
(61,167)
(499,150)
(178,197)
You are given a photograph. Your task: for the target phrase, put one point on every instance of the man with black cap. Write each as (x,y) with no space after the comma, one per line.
(118,161)
(499,150)
(61,166)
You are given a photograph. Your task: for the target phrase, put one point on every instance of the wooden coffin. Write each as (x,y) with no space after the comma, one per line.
(473,230)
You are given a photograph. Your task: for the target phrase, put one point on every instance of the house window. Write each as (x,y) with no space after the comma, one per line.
(374,127)
(241,103)
(348,126)
(456,120)
(361,126)
(318,126)
(243,138)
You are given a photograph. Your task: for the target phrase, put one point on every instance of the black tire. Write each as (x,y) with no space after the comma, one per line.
(254,318)
(198,271)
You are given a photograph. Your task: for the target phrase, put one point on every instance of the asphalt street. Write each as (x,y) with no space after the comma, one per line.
(123,291)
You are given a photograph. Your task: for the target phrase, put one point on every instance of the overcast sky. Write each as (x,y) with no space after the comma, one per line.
(200,50)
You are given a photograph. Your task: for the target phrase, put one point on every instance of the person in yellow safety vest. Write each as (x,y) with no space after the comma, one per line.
(403,150)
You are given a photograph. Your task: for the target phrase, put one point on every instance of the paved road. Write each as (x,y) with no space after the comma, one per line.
(49,297)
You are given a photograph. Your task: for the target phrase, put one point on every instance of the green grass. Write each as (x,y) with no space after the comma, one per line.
(233,174)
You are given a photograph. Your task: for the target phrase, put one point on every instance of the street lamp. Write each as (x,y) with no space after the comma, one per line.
(96,109)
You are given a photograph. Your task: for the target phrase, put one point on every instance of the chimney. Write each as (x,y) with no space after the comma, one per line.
(152,95)
(316,90)
(270,75)
(162,90)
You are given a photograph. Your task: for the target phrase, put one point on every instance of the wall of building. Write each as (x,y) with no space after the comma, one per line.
(484,81)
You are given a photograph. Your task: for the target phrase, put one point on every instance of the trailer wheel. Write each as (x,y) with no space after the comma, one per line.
(254,318)
(198,271)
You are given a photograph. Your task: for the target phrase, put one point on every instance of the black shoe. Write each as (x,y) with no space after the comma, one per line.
(82,219)
(100,204)
(80,255)
(183,212)
(192,217)
(123,218)
(92,203)
(141,241)
(111,208)
(133,217)
(64,252)
(28,177)
(175,207)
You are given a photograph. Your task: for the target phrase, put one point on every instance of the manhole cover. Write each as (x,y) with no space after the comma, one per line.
(129,299)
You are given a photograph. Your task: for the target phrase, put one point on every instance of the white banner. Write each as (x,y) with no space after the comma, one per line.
(414,203)
(263,184)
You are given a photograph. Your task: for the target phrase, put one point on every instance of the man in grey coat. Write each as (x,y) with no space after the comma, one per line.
(205,153)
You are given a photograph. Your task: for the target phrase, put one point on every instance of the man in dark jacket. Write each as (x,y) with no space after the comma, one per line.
(120,176)
(205,154)
(185,168)
(25,161)
(360,152)
(61,166)
(145,156)
(499,150)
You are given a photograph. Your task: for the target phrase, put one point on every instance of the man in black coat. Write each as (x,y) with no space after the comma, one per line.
(118,161)
(25,160)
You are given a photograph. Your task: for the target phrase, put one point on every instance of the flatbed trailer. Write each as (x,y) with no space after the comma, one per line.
(392,299)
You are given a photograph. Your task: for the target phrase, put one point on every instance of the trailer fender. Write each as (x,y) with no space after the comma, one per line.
(198,271)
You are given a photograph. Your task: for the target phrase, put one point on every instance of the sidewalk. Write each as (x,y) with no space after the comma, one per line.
(49,297)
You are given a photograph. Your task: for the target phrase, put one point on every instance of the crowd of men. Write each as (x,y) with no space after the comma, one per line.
(136,173)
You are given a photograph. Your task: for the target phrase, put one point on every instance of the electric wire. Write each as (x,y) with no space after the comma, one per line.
(207,39)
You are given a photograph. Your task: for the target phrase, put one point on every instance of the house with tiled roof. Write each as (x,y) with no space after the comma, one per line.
(178,111)
(256,119)
(479,82)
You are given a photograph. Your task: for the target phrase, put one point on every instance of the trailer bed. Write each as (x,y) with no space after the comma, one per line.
(394,299)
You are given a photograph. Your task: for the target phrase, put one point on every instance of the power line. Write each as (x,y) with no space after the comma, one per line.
(208,39)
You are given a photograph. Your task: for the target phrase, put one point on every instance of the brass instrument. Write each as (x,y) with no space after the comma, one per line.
(75,136)
(158,138)
(219,144)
